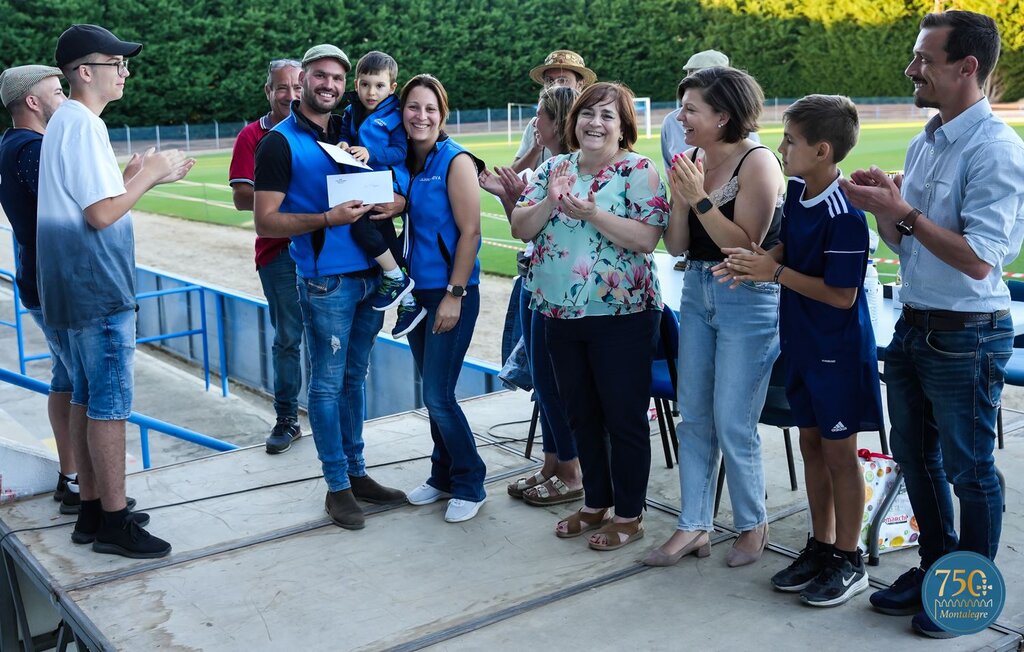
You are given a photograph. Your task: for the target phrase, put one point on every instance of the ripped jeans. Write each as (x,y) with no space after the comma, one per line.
(341,328)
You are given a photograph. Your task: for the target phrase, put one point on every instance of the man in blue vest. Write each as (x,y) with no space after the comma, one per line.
(337,281)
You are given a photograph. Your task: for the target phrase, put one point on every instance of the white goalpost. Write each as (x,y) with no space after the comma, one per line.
(519,115)
(643,113)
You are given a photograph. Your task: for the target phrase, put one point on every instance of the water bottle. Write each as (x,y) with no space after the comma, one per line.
(873,292)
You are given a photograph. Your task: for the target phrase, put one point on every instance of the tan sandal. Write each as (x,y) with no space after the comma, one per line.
(552,492)
(516,489)
(581,522)
(633,530)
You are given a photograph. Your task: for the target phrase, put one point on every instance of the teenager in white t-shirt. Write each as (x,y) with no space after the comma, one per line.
(86,276)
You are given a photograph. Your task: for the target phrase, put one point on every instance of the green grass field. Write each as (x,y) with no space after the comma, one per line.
(205,195)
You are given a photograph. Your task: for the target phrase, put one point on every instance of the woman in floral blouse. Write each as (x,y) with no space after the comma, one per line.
(595,216)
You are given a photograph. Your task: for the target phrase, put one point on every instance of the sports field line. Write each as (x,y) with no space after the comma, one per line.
(215,186)
(172,196)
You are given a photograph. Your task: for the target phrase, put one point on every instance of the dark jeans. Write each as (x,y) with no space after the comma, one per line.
(375,237)
(513,328)
(278,279)
(456,467)
(554,424)
(944,389)
(603,369)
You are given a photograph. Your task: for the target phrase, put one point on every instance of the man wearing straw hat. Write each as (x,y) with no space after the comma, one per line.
(560,68)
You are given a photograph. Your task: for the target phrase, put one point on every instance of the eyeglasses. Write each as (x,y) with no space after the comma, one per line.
(122,66)
(559,81)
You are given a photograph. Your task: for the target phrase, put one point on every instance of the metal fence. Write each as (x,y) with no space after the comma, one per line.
(221,135)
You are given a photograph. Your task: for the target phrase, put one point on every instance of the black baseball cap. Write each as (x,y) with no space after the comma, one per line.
(80,40)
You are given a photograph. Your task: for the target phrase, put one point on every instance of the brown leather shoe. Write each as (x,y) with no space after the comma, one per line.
(343,509)
(368,489)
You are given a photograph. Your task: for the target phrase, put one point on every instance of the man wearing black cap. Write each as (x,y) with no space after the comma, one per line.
(87,277)
(337,280)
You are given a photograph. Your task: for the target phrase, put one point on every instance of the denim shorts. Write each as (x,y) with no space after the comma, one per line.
(103,366)
(60,351)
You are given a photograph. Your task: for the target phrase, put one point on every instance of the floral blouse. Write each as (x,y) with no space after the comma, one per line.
(576,271)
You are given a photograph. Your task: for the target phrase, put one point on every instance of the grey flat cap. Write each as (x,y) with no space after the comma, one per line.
(15,82)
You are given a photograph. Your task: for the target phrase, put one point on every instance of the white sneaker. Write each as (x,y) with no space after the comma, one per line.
(425,494)
(462,510)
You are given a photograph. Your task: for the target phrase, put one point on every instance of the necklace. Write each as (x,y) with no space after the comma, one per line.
(597,169)
(709,169)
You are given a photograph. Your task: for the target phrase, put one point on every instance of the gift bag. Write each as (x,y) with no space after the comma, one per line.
(897,527)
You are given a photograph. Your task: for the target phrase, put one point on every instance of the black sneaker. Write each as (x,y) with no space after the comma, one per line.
(391,291)
(281,437)
(88,535)
(62,486)
(408,318)
(903,598)
(839,581)
(126,538)
(72,503)
(804,568)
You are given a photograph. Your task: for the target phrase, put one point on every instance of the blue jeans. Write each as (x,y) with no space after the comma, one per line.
(455,464)
(556,436)
(60,354)
(513,328)
(278,279)
(103,366)
(944,389)
(728,342)
(341,328)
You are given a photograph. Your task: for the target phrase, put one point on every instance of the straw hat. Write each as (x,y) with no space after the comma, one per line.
(566,59)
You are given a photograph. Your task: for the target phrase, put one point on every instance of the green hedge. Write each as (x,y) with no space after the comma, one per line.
(205,59)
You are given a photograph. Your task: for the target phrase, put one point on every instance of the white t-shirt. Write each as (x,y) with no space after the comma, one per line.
(83,273)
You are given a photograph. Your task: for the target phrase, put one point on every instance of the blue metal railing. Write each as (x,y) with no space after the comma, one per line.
(145,423)
(20,310)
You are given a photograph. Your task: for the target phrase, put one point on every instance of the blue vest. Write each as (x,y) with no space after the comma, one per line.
(307,193)
(432,234)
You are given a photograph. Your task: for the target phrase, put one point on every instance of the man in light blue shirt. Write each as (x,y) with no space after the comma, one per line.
(956,220)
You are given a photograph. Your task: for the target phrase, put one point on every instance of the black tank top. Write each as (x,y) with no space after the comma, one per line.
(702,247)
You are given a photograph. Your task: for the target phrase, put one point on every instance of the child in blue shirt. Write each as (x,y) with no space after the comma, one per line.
(827,341)
(371,130)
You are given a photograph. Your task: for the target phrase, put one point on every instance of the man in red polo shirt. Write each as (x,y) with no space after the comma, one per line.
(273,262)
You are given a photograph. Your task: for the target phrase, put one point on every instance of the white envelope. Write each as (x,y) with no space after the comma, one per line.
(343,157)
(368,187)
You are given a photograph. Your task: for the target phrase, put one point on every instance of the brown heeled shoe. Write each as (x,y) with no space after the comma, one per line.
(736,557)
(701,546)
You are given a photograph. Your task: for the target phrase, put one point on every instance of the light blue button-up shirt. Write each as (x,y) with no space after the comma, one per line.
(966,176)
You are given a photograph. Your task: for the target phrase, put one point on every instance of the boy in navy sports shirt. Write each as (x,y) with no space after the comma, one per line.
(827,341)
(371,130)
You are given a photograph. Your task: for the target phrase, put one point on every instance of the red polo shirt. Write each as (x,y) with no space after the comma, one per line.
(243,170)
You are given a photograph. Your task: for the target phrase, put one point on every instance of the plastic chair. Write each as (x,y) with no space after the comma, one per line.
(665,381)
(1015,365)
(776,412)
(663,386)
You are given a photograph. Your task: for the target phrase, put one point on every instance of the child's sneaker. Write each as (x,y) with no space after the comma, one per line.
(408,317)
(391,291)
(798,575)
(839,581)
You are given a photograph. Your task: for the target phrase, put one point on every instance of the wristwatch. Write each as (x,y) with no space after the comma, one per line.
(704,205)
(457,290)
(906,225)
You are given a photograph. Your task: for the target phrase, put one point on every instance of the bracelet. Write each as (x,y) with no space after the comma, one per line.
(778,272)
(326,222)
